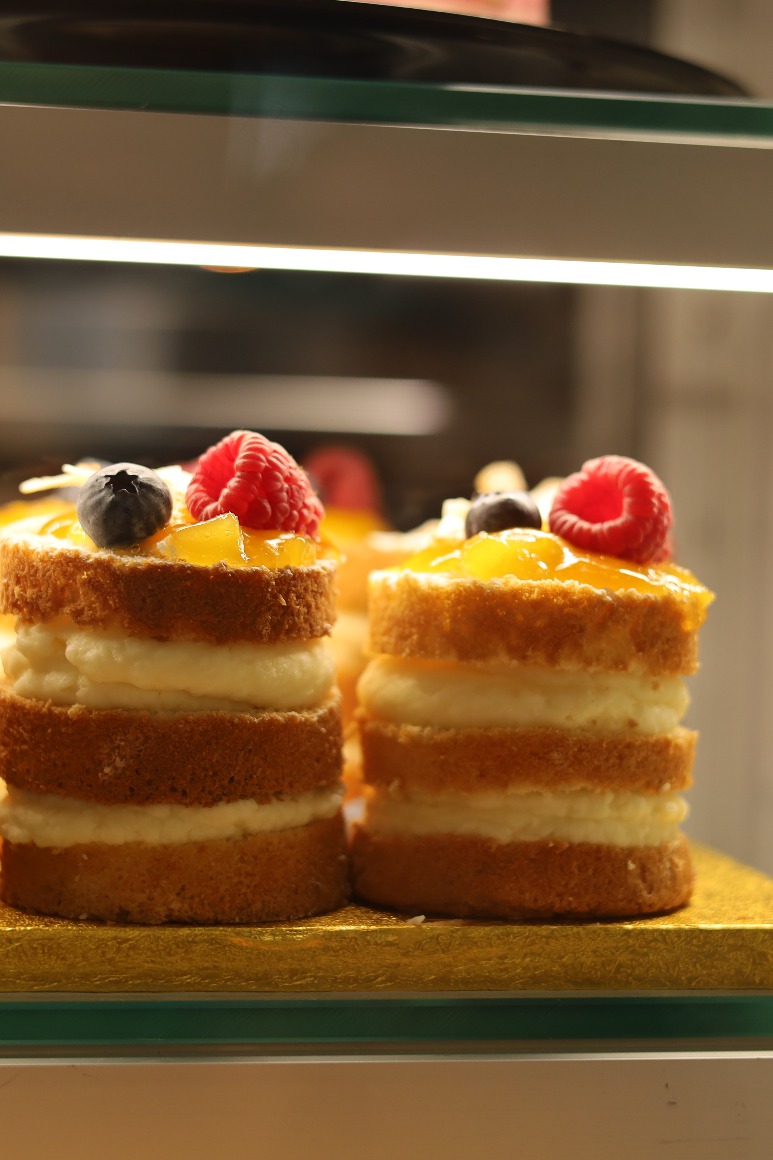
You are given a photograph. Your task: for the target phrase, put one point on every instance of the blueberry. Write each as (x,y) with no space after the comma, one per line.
(122,504)
(497,510)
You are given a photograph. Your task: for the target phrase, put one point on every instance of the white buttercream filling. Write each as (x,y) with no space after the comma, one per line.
(464,696)
(608,818)
(50,820)
(73,666)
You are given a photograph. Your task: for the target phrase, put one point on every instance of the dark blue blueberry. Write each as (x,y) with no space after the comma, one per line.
(495,511)
(122,504)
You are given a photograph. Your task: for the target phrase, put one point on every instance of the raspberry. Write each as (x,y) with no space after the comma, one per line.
(258,481)
(616,506)
(345,477)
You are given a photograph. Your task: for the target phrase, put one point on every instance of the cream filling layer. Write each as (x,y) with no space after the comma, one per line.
(608,819)
(99,670)
(50,820)
(467,696)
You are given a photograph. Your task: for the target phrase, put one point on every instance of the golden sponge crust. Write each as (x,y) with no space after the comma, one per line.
(558,624)
(265,877)
(120,757)
(164,600)
(496,760)
(467,876)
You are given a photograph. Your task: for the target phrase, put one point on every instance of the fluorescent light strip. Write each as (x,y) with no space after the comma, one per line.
(470,266)
(277,402)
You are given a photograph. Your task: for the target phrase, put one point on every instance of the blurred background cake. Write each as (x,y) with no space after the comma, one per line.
(356,527)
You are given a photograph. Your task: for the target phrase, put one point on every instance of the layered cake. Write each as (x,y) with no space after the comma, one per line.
(170,734)
(521,717)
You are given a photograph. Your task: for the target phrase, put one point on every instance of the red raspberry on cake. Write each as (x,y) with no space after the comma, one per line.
(616,506)
(259,482)
(345,477)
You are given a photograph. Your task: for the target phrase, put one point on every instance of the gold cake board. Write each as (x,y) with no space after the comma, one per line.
(722,941)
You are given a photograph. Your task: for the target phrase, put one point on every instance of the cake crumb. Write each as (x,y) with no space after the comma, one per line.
(417,920)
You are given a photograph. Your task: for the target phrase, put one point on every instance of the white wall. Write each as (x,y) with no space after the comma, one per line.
(707,388)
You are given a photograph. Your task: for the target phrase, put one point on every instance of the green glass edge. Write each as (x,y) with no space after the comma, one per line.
(158,1023)
(167,90)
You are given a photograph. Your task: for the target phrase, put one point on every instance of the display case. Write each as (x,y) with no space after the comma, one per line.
(367,1032)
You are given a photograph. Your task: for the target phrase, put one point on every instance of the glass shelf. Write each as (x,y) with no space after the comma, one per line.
(553,1023)
(710,119)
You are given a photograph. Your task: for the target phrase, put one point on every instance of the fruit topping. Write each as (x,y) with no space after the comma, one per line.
(258,481)
(71,477)
(221,540)
(345,478)
(285,550)
(616,506)
(122,504)
(216,541)
(527,553)
(496,511)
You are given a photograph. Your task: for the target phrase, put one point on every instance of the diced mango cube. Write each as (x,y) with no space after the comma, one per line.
(216,541)
(274,549)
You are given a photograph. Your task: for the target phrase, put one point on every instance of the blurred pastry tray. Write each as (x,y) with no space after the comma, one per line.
(723,941)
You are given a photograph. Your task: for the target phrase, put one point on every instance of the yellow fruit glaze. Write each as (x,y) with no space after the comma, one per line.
(527,554)
(341,526)
(22,509)
(217,541)
(223,541)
